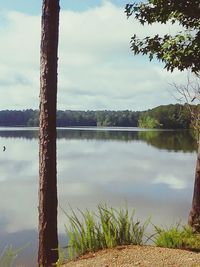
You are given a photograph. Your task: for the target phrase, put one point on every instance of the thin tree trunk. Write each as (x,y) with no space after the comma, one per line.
(48,236)
(194,216)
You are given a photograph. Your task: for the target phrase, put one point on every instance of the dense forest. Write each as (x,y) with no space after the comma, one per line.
(167,117)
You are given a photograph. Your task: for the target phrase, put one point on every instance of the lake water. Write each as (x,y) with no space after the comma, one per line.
(151,171)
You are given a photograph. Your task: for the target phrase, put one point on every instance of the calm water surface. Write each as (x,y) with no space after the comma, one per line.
(151,171)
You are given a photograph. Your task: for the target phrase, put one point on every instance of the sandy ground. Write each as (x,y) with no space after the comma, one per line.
(145,256)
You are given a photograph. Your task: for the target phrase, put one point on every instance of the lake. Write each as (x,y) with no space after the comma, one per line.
(150,171)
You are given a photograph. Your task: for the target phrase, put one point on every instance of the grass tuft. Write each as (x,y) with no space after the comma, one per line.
(8,256)
(182,237)
(106,228)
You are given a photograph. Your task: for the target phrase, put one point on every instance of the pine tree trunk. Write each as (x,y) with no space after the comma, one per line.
(194,216)
(48,236)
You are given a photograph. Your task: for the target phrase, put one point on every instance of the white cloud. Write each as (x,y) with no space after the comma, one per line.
(96,67)
(19,61)
(170,180)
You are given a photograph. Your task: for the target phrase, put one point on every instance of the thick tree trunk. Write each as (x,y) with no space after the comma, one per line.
(194,216)
(48,237)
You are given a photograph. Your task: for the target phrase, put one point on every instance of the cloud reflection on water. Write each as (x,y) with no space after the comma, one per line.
(157,183)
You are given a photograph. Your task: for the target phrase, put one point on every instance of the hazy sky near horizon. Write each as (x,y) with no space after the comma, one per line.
(97,69)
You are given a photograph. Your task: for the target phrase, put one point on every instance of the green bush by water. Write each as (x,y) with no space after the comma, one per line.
(8,256)
(106,228)
(182,237)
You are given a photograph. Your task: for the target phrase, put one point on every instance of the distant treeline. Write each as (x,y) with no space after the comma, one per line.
(167,117)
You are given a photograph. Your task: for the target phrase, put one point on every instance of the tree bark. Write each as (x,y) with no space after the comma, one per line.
(194,216)
(48,236)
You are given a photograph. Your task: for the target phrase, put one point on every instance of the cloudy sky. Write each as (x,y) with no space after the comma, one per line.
(97,70)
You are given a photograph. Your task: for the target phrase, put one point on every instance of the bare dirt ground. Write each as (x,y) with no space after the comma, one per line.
(142,256)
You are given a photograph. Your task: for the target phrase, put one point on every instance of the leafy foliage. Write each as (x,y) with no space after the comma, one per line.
(8,256)
(181,51)
(105,229)
(177,237)
(146,121)
(171,116)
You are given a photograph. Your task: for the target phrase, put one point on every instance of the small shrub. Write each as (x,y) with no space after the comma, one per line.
(106,228)
(8,256)
(177,237)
